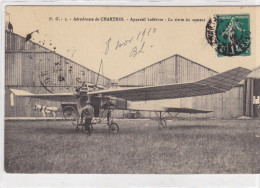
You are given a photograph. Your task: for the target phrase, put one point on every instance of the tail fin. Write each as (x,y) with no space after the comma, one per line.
(226,80)
(22,93)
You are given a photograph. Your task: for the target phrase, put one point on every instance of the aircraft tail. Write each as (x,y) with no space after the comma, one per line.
(21,93)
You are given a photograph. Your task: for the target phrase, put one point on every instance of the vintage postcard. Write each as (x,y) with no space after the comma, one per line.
(132,90)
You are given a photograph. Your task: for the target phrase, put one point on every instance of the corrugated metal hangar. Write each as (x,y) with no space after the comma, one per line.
(34,68)
(177,69)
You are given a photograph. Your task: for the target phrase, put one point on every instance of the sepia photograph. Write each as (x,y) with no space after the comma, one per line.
(131,90)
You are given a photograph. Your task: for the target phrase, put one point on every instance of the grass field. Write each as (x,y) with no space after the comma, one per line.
(202,146)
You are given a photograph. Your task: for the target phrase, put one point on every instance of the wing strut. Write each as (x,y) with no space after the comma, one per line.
(100,66)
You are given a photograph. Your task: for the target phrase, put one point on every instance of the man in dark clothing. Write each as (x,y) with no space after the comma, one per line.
(258,110)
(81,92)
(10,27)
(88,114)
(82,89)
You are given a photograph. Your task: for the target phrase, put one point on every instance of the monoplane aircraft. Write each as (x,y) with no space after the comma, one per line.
(105,101)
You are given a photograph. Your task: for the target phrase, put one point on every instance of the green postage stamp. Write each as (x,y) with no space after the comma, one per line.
(229,34)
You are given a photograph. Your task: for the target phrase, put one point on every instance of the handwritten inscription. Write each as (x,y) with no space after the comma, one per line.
(136,43)
(134,52)
(124,43)
(108,45)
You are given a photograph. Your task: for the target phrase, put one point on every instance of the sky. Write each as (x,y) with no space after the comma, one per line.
(129,45)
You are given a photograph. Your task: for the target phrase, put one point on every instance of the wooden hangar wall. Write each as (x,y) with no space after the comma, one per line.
(34,68)
(177,69)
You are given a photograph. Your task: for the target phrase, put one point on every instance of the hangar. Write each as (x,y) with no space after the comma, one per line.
(34,68)
(237,102)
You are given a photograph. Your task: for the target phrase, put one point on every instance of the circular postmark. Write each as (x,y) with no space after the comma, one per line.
(229,34)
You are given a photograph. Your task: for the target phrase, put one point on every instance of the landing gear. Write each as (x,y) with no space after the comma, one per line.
(77,129)
(69,113)
(78,119)
(162,124)
(87,129)
(113,128)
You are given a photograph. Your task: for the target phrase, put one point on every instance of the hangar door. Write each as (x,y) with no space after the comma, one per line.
(251,97)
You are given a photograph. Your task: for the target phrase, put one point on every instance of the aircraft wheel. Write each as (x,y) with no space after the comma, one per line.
(77,128)
(162,124)
(69,113)
(113,128)
(87,130)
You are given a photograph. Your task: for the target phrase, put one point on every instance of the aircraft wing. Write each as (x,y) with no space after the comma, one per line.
(172,109)
(52,97)
(187,110)
(157,108)
(216,84)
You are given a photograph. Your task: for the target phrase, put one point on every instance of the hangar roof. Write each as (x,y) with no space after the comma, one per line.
(43,48)
(173,56)
(255,73)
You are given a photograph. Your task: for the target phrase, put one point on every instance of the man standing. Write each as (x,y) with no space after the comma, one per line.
(10,27)
(258,111)
(88,114)
(81,92)
(82,89)
(256,103)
